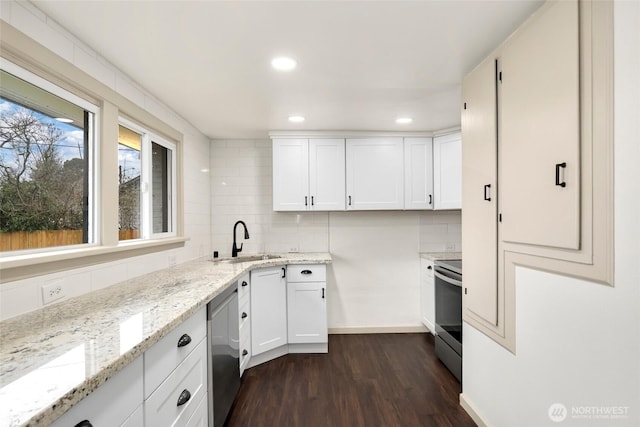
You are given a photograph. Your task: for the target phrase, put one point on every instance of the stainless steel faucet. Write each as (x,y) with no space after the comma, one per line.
(235,249)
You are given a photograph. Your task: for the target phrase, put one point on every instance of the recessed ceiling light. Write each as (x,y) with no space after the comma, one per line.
(64,120)
(283,63)
(296,119)
(404,120)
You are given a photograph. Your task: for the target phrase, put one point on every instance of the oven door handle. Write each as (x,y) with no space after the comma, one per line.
(449,280)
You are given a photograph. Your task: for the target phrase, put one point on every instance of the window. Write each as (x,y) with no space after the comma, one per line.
(46,174)
(129,170)
(146,177)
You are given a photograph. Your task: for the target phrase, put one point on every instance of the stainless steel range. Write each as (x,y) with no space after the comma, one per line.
(448,296)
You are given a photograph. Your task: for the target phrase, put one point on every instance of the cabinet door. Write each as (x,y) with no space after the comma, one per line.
(447,171)
(268,309)
(539,131)
(375,177)
(290,174)
(479,172)
(427,295)
(307,309)
(326,174)
(418,173)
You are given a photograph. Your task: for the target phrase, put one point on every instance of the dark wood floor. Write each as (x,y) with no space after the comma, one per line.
(365,380)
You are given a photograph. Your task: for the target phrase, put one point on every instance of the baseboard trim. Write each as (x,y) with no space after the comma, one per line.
(343,330)
(471,410)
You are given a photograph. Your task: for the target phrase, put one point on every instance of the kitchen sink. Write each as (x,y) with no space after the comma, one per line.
(246,258)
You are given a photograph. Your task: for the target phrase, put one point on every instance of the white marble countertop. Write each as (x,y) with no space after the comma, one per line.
(52,358)
(434,256)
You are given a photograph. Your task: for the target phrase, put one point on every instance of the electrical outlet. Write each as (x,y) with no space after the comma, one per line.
(53,290)
(293,249)
(172,260)
(451,247)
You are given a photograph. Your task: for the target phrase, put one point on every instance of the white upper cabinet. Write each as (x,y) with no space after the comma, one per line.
(447,171)
(290,174)
(540,131)
(375,176)
(418,173)
(308,174)
(326,174)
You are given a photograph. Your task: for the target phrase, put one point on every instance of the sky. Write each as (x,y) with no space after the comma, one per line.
(69,146)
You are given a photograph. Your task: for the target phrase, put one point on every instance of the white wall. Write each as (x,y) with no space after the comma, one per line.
(25,295)
(578,343)
(374,279)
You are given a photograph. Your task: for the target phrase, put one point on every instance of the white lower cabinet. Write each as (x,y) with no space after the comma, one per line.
(427,295)
(245,315)
(268,309)
(307,304)
(113,404)
(176,399)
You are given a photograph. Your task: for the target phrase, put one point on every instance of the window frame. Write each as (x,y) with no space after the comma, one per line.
(93,148)
(146,182)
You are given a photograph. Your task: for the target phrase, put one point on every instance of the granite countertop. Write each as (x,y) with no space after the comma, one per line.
(52,358)
(435,256)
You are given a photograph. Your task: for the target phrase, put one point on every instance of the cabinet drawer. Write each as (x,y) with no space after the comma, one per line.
(244,317)
(245,346)
(161,359)
(112,403)
(190,377)
(244,303)
(307,273)
(200,417)
(244,286)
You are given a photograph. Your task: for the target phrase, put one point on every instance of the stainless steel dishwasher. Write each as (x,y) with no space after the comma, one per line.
(223,355)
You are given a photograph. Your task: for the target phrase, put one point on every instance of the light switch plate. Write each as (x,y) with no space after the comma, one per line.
(53,290)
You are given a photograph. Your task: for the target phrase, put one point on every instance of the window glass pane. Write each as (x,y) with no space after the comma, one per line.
(160,173)
(44,168)
(129,170)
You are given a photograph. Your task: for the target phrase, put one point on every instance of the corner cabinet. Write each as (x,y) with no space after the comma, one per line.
(268,309)
(374,171)
(537,120)
(447,171)
(308,174)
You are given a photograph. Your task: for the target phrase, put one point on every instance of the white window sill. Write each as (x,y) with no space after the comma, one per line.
(16,267)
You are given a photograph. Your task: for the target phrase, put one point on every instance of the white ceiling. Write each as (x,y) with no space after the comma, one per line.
(361,64)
